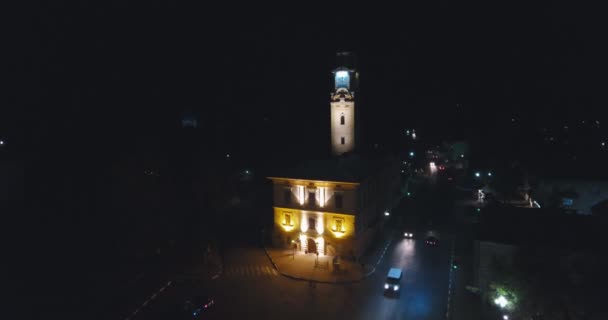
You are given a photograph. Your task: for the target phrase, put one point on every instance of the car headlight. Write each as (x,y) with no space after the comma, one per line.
(396,287)
(386,286)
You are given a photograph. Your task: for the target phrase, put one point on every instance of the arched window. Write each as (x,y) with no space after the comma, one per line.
(342,119)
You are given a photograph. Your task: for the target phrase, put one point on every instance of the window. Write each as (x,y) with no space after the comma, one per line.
(339,227)
(566,202)
(342,140)
(342,119)
(287,196)
(338,201)
(311,198)
(312,224)
(288,219)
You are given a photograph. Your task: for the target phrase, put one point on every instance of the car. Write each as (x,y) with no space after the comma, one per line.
(393,281)
(408,235)
(196,307)
(431,240)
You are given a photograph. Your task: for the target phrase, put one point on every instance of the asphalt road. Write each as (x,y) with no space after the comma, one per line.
(250,288)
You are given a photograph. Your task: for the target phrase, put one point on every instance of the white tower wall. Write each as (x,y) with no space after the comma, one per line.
(342,133)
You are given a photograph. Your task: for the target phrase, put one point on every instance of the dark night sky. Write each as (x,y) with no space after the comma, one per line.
(109,70)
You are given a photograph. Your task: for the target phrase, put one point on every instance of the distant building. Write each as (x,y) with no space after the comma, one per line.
(335,206)
(189,119)
(577,196)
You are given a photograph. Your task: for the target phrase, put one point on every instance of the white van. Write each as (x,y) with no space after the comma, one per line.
(393,280)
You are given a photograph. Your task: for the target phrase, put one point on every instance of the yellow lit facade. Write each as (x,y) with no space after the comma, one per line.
(318,216)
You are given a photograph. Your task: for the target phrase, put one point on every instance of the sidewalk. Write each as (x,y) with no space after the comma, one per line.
(303,266)
(306,267)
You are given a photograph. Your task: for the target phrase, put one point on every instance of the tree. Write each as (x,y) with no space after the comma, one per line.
(554,284)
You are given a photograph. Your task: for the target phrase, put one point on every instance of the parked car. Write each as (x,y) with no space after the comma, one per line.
(431,240)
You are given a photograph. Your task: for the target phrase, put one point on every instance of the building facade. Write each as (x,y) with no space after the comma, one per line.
(335,206)
(339,214)
(316,216)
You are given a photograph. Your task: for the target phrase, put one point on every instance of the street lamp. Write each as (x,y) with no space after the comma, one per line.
(477,174)
(489,174)
(386,213)
(501,301)
(411,153)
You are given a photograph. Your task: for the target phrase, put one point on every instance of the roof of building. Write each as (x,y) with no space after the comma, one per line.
(553,228)
(345,168)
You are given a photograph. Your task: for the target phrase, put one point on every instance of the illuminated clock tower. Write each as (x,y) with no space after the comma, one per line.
(343,130)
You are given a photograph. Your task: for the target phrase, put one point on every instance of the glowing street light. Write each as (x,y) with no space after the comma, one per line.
(386,213)
(501,301)
(489,174)
(477,174)
(505,317)
(411,153)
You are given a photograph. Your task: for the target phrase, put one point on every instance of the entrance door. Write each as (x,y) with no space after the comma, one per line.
(312,246)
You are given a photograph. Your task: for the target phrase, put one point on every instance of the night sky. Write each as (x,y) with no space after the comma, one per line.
(116,68)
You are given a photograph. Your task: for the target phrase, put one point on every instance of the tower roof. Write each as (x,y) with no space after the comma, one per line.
(346,60)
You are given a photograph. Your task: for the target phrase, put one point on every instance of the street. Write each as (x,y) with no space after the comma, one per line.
(250,287)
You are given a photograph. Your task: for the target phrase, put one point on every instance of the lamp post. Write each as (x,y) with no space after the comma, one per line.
(502,302)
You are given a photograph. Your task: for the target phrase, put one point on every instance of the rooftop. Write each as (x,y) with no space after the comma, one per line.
(346,168)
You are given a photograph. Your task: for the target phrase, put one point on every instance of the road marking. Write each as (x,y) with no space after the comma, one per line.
(250,270)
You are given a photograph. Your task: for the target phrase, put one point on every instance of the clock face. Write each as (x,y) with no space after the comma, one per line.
(342,79)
